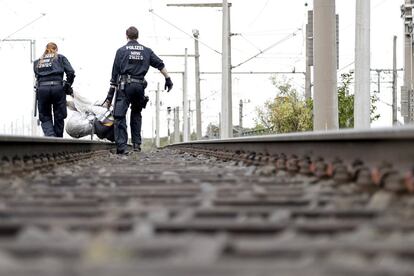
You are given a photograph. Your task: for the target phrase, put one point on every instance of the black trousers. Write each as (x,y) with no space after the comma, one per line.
(52,98)
(133,95)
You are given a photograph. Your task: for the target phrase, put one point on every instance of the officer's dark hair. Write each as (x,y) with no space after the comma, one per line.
(132,33)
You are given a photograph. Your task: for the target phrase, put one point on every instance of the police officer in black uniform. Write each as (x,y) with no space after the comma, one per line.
(131,64)
(51,90)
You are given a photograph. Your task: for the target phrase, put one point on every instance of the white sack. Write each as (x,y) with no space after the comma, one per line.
(80,123)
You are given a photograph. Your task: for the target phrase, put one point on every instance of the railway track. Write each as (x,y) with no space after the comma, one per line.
(379,157)
(286,205)
(24,154)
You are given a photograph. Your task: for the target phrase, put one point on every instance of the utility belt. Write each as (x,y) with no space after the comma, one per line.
(49,83)
(128,79)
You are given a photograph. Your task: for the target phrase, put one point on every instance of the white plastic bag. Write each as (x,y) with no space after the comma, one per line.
(80,124)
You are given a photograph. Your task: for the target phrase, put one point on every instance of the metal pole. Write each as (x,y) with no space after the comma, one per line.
(152,132)
(378,81)
(157,116)
(226,100)
(394,83)
(325,91)
(220,121)
(308,82)
(185,99)
(34,120)
(309,56)
(408,52)
(176,125)
(32,51)
(174,119)
(411,92)
(230,76)
(197,83)
(168,129)
(189,120)
(241,116)
(362,104)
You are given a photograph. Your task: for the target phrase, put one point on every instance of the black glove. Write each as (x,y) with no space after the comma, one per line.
(69,91)
(107,103)
(111,93)
(168,84)
(67,88)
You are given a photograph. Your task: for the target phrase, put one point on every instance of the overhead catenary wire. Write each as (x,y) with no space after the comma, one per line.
(259,14)
(23,27)
(268,32)
(186,33)
(250,113)
(3,4)
(248,41)
(346,66)
(211,95)
(153,21)
(384,102)
(269,48)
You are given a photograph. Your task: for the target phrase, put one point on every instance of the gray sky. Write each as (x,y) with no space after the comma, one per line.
(89,32)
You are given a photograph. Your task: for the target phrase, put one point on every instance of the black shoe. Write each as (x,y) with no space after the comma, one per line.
(123,152)
(136,147)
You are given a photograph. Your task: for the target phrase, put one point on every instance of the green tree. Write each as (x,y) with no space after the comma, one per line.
(346,102)
(213,131)
(289,112)
(193,136)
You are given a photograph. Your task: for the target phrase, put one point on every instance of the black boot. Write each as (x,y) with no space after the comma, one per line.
(136,147)
(123,152)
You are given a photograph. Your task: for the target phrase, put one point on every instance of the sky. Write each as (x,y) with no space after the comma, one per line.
(88,33)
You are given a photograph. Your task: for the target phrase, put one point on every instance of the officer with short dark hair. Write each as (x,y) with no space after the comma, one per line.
(51,89)
(131,64)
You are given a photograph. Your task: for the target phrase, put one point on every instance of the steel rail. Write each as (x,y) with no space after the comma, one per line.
(12,147)
(378,153)
(394,145)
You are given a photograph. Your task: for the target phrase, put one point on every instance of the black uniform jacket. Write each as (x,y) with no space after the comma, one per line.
(134,59)
(52,67)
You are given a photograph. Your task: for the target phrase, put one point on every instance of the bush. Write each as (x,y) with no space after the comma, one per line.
(290,112)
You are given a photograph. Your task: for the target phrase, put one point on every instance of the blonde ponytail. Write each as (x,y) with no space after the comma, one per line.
(51,51)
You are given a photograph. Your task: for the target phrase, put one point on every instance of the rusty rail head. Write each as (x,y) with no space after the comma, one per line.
(22,147)
(24,154)
(384,157)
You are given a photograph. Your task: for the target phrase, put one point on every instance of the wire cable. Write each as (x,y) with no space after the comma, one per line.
(209,96)
(153,21)
(181,30)
(268,48)
(248,41)
(259,14)
(25,26)
(346,66)
(384,102)
(8,7)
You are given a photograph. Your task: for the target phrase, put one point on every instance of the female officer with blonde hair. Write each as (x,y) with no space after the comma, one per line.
(52,89)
